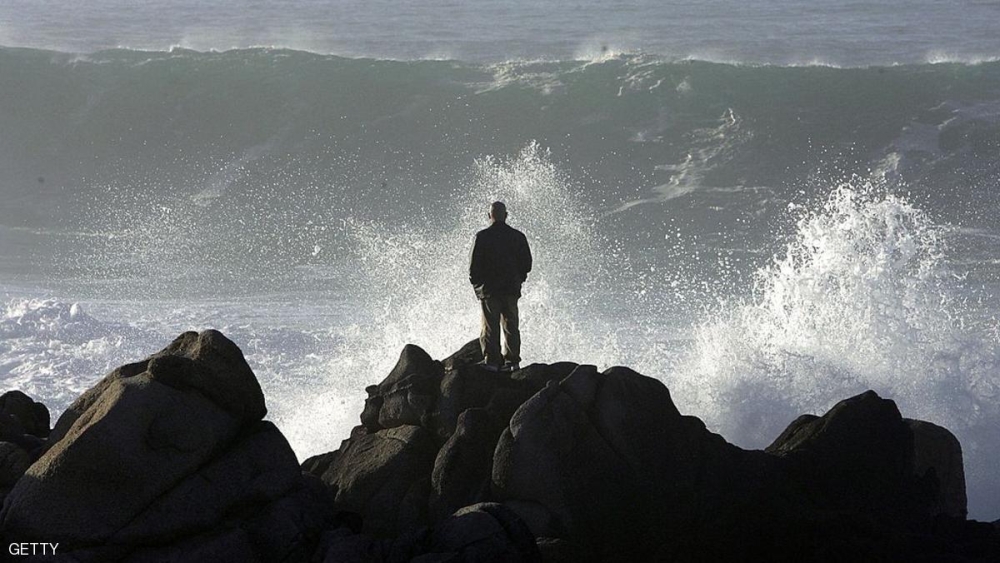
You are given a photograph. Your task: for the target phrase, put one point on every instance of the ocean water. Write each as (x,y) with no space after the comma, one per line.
(770,206)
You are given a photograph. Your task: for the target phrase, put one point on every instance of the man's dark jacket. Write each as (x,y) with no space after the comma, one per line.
(500,261)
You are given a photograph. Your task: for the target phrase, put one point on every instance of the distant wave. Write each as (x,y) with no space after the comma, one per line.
(261,151)
(590,53)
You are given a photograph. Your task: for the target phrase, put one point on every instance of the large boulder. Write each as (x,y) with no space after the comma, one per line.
(484,532)
(384,476)
(937,456)
(859,456)
(408,394)
(167,460)
(205,496)
(463,466)
(605,461)
(260,526)
(24,426)
(601,466)
(136,441)
(18,409)
(14,461)
(465,387)
(425,444)
(205,363)
(470,353)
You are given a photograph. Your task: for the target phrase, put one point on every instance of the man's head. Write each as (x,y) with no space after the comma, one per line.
(498,212)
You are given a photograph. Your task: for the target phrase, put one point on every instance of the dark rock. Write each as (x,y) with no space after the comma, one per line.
(350,520)
(937,455)
(260,466)
(27,442)
(408,394)
(134,442)
(437,558)
(343,546)
(166,464)
(89,397)
(606,461)
(318,464)
(463,467)
(289,528)
(556,550)
(229,545)
(467,386)
(463,388)
(858,456)
(469,354)
(168,460)
(212,365)
(485,532)
(207,363)
(537,376)
(33,417)
(373,405)
(385,477)
(409,545)
(788,435)
(504,403)
(24,424)
(100,554)
(14,461)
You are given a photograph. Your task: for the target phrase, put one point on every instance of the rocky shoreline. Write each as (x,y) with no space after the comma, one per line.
(170,460)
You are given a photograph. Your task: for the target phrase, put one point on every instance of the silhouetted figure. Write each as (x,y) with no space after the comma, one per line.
(499,265)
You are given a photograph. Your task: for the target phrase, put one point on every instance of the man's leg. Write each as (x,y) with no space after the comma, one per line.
(489,337)
(511,331)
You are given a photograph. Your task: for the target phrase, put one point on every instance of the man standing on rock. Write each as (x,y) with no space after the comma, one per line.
(500,263)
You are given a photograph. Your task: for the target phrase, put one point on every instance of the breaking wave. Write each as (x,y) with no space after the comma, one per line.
(863,297)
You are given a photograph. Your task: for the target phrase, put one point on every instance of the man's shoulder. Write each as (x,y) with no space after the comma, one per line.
(501,230)
(510,230)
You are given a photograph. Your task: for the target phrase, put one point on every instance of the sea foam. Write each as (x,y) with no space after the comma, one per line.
(863,297)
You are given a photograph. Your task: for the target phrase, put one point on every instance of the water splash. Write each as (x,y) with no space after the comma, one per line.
(862,298)
(410,285)
(415,275)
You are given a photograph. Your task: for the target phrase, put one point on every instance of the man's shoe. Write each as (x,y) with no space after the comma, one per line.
(489,367)
(511,366)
